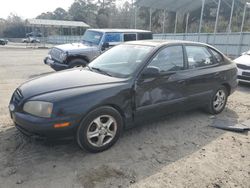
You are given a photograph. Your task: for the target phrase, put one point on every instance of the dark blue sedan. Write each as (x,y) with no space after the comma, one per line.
(128,83)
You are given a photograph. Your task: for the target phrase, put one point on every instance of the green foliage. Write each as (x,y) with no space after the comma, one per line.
(14,27)
(106,14)
(58,14)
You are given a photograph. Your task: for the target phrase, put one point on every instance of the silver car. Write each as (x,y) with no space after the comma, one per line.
(94,42)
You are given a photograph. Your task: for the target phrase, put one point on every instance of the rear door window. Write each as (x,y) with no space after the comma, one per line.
(199,56)
(112,37)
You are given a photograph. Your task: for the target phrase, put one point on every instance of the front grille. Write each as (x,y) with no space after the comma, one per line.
(246,74)
(244,67)
(244,78)
(55,53)
(17,96)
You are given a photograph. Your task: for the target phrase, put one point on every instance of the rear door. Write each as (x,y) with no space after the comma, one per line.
(203,70)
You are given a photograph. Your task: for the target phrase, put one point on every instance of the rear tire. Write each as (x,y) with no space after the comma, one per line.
(218,101)
(77,63)
(100,129)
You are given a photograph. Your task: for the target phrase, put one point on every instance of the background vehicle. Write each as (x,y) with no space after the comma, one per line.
(30,40)
(3,41)
(34,34)
(243,65)
(94,42)
(128,83)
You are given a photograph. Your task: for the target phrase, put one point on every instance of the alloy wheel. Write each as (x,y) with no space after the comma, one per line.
(219,100)
(101,131)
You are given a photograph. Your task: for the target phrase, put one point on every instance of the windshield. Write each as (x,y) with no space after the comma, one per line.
(92,37)
(122,60)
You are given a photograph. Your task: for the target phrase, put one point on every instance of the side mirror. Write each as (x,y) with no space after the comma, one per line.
(151,72)
(105,45)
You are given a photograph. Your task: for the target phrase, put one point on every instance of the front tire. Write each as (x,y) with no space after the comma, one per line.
(218,101)
(100,129)
(77,63)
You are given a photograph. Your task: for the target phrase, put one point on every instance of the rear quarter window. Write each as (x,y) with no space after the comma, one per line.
(129,37)
(144,36)
(219,58)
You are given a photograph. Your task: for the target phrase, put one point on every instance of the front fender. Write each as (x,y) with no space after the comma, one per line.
(78,102)
(70,57)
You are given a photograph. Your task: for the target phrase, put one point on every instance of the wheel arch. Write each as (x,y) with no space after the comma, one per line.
(72,57)
(228,87)
(82,139)
(114,106)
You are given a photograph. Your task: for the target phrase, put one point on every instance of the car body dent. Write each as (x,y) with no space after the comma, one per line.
(77,97)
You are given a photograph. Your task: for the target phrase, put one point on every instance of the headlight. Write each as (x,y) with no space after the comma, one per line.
(63,56)
(38,108)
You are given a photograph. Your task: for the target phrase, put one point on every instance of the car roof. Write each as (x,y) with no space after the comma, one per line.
(157,43)
(120,30)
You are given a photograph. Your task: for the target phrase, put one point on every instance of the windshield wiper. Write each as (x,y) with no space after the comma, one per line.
(100,70)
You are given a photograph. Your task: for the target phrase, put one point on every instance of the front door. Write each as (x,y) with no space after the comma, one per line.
(165,92)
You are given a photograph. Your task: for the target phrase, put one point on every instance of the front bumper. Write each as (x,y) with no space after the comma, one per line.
(42,127)
(243,75)
(57,66)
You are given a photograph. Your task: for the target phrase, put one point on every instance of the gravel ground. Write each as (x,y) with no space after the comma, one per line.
(180,150)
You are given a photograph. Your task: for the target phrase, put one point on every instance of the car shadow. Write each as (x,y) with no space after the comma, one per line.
(244,87)
(141,151)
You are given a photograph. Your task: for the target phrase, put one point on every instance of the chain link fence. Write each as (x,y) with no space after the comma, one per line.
(232,44)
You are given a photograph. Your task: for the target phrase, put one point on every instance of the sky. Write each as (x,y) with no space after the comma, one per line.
(31,8)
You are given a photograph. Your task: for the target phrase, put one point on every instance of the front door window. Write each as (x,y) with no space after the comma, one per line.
(169,59)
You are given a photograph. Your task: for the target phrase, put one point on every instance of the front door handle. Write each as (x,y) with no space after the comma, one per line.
(181,82)
(217,75)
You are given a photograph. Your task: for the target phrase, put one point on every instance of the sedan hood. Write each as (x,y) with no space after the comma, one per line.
(65,80)
(74,47)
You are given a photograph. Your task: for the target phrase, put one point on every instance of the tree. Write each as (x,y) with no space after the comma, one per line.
(84,10)
(15,27)
(47,15)
(123,16)
(104,4)
(57,14)
(106,12)
(3,26)
(60,14)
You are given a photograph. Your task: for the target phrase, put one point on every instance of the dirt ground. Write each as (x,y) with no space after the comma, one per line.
(180,150)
